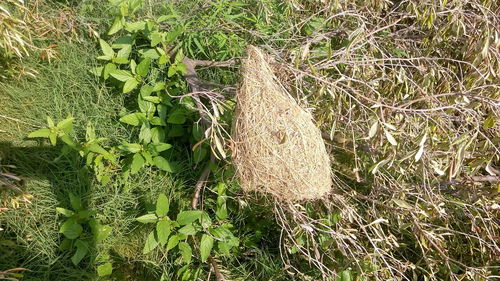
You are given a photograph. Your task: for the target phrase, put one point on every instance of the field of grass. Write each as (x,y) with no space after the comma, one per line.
(406,94)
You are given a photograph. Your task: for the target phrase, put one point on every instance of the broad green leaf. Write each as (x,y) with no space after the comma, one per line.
(42,133)
(224,247)
(94,147)
(130,147)
(197,132)
(177,117)
(205,220)
(162,205)
(66,125)
(133,66)
(148,157)
(143,67)
(116,26)
(156,37)
(146,107)
(110,67)
(151,243)
(65,212)
(153,99)
(106,49)
(129,85)
(53,138)
(157,121)
(145,133)
(121,75)
(221,211)
(187,217)
(163,164)
(82,248)
(71,229)
(172,242)
(206,245)
(163,231)
(172,70)
(147,218)
(187,230)
(149,53)
(157,135)
(75,202)
(345,275)
(85,214)
(120,60)
(105,269)
(125,52)
(186,252)
(97,71)
(159,86)
(159,147)
(135,26)
(162,111)
(102,233)
(133,119)
(199,154)
(126,40)
(50,122)
(137,163)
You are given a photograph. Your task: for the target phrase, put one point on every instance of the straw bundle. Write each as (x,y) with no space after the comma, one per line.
(279,150)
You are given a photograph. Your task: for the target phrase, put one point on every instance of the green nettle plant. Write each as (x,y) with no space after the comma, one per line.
(144,64)
(81,230)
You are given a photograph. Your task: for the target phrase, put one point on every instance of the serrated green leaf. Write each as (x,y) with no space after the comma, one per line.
(133,119)
(149,218)
(162,205)
(94,147)
(129,85)
(187,217)
(143,67)
(106,49)
(172,242)
(187,230)
(137,163)
(130,147)
(157,135)
(159,147)
(145,133)
(82,248)
(66,125)
(116,26)
(177,117)
(163,231)
(151,243)
(42,133)
(186,252)
(206,245)
(110,67)
(163,164)
(121,75)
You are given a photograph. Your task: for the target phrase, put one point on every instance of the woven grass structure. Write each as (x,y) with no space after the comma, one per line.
(279,150)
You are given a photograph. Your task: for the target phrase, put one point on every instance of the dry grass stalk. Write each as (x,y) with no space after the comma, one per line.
(279,150)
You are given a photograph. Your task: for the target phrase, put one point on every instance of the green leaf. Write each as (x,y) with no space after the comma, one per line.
(133,119)
(50,122)
(102,233)
(186,252)
(162,205)
(156,121)
(145,133)
(82,248)
(126,40)
(53,138)
(117,26)
(75,202)
(163,164)
(187,217)
(159,147)
(71,229)
(171,70)
(205,220)
(130,147)
(156,37)
(65,212)
(157,135)
(187,230)
(172,242)
(149,53)
(345,275)
(177,117)
(224,247)
(151,243)
(221,211)
(153,99)
(125,52)
(66,125)
(42,133)
(94,147)
(137,163)
(147,218)
(121,75)
(105,269)
(146,107)
(199,154)
(159,86)
(206,245)
(110,67)
(162,111)
(129,85)
(143,67)
(106,49)
(163,231)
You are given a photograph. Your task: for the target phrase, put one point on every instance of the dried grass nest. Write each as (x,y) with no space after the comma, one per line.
(279,150)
